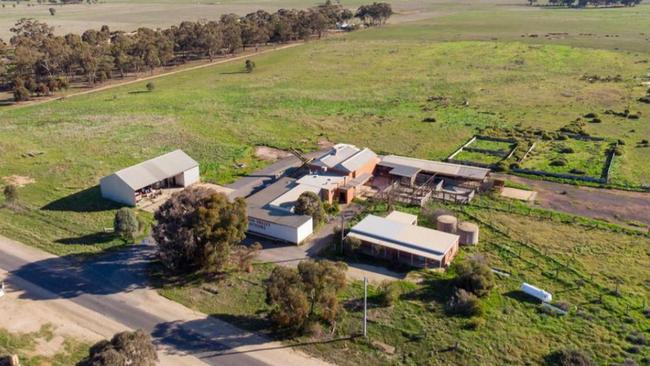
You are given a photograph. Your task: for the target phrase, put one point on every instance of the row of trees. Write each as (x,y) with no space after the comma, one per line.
(37,62)
(585,3)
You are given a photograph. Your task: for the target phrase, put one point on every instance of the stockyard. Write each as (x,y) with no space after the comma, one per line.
(547,91)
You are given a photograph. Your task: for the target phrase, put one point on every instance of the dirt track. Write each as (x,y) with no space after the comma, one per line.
(609,204)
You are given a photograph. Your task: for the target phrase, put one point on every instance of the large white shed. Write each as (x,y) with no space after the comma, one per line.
(174,169)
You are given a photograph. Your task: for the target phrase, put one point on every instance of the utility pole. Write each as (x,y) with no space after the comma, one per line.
(365,306)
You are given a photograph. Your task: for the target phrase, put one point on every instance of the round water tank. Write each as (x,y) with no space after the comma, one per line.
(447,223)
(468,233)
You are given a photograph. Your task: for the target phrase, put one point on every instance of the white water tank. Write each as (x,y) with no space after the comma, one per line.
(536,292)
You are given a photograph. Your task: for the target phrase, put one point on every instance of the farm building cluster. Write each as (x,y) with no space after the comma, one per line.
(340,174)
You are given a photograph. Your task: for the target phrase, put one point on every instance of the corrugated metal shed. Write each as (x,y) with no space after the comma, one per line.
(156,169)
(438,167)
(421,241)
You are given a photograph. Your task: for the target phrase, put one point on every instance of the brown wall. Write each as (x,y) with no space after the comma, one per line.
(369,167)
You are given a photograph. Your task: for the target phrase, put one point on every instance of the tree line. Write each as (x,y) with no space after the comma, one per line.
(36,62)
(585,3)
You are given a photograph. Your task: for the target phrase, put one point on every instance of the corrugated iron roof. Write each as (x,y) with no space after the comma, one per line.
(157,169)
(448,169)
(407,238)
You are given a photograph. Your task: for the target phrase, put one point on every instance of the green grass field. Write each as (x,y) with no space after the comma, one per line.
(514,330)
(370,88)
(587,156)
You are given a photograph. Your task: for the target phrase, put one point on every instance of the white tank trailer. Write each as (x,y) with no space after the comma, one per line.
(536,292)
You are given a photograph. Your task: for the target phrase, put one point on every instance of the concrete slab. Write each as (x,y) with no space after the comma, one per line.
(518,194)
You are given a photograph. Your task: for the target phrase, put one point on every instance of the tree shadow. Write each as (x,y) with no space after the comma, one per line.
(140,92)
(215,339)
(434,288)
(88,200)
(120,270)
(89,239)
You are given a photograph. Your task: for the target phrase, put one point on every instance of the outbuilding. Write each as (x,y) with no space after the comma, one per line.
(397,238)
(172,170)
(270,213)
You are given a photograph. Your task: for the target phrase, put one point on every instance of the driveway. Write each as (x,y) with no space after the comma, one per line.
(112,289)
(291,255)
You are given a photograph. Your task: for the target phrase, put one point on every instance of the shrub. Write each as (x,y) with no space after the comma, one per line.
(249,65)
(475,276)
(314,329)
(618,150)
(475,324)
(126,348)
(351,245)
(568,358)
(464,303)
(11,193)
(125,224)
(150,86)
(637,338)
(558,162)
(332,208)
(389,293)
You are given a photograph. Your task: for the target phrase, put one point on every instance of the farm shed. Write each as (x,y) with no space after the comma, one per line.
(270,213)
(396,238)
(172,170)
(415,181)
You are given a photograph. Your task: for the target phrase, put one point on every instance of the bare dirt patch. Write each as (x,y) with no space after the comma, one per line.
(18,180)
(617,206)
(270,153)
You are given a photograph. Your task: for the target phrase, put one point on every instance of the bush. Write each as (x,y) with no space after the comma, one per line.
(475,324)
(11,193)
(125,224)
(332,208)
(150,86)
(464,303)
(568,358)
(475,276)
(558,162)
(389,293)
(637,338)
(249,65)
(126,348)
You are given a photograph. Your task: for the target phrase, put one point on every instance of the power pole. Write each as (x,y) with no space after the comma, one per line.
(365,306)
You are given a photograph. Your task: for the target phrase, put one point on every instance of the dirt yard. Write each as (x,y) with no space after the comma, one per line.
(270,153)
(622,207)
(18,180)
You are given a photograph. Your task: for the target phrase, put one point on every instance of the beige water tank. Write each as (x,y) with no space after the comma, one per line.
(468,233)
(447,223)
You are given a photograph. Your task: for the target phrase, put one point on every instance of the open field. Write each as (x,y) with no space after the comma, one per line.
(590,263)
(588,157)
(370,88)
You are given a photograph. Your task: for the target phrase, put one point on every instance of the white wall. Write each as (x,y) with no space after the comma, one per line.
(114,189)
(280,232)
(188,177)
